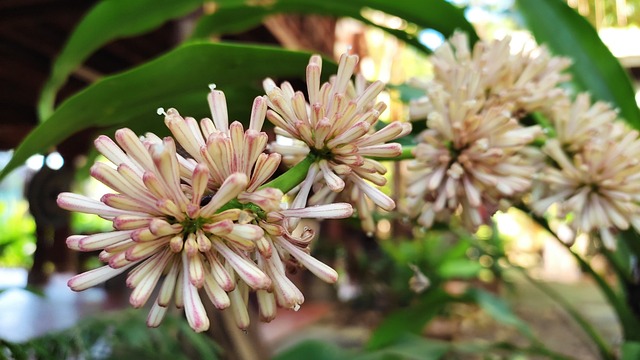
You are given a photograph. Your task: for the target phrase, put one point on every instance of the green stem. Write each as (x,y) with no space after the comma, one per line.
(605,350)
(407,153)
(623,275)
(630,324)
(292,177)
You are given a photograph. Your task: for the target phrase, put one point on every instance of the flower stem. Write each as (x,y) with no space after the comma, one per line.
(407,153)
(292,177)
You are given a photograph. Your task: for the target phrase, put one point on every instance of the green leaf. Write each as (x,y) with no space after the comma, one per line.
(499,310)
(313,350)
(410,347)
(631,350)
(410,320)
(178,79)
(459,268)
(236,15)
(408,92)
(107,21)
(594,68)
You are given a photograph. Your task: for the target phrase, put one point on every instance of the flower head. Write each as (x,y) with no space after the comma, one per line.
(473,157)
(520,81)
(228,148)
(201,221)
(578,122)
(593,172)
(162,226)
(336,124)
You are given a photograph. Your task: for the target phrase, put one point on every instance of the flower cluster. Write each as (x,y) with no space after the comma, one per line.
(594,172)
(523,81)
(202,221)
(474,156)
(337,128)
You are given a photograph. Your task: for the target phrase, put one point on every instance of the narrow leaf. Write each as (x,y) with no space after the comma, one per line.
(235,16)
(107,21)
(410,320)
(178,79)
(499,310)
(594,68)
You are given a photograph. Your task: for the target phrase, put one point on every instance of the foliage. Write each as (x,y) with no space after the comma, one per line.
(594,67)
(117,335)
(17,238)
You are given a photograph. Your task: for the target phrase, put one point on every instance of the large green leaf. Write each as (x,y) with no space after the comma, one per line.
(238,15)
(178,79)
(313,350)
(499,310)
(410,320)
(410,347)
(630,350)
(106,21)
(594,68)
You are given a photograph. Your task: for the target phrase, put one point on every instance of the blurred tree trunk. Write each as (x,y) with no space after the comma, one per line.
(304,32)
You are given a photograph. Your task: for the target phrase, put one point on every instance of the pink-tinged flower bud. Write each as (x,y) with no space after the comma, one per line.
(246,269)
(266,305)
(239,307)
(94,277)
(156,315)
(218,296)
(153,269)
(193,308)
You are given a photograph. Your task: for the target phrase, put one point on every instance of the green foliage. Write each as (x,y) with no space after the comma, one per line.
(313,350)
(17,238)
(237,15)
(82,223)
(407,347)
(410,347)
(119,335)
(107,21)
(178,79)
(499,310)
(409,320)
(594,68)
(630,350)
(610,10)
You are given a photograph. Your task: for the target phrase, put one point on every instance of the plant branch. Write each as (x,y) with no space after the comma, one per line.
(292,177)
(407,153)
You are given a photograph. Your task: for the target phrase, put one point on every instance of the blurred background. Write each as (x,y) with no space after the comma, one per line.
(37,308)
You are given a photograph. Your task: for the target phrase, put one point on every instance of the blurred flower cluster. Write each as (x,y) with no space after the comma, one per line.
(502,131)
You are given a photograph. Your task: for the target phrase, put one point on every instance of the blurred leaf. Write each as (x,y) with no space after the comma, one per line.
(200,343)
(459,268)
(118,335)
(492,350)
(408,92)
(630,350)
(239,15)
(313,350)
(178,79)
(632,239)
(410,320)
(499,310)
(107,21)
(594,68)
(410,347)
